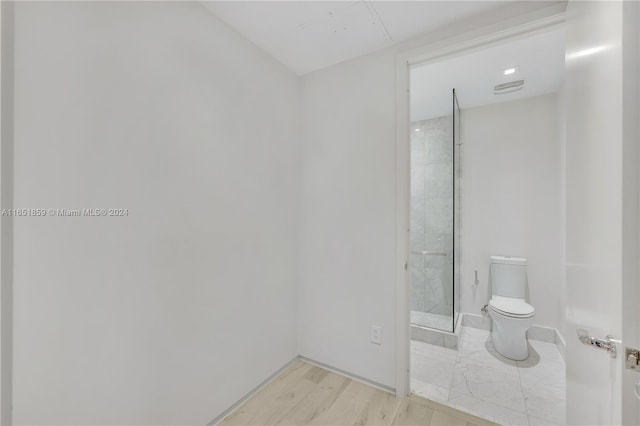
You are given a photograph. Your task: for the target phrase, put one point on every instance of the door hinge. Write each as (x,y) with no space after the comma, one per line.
(632,359)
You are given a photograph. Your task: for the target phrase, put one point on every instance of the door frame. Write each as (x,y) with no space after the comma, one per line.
(522,26)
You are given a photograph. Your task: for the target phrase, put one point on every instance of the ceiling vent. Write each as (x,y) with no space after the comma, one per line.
(509,87)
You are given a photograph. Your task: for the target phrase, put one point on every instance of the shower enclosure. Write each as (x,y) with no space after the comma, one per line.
(435,220)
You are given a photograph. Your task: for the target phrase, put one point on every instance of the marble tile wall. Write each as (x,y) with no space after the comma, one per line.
(432,215)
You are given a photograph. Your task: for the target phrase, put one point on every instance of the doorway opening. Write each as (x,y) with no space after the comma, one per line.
(485,187)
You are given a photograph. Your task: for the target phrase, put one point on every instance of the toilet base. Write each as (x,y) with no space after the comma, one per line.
(510,336)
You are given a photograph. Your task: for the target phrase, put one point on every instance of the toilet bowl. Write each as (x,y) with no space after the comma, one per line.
(511,318)
(511,315)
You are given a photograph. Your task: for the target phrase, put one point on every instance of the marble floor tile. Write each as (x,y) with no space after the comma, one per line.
(476,333)
(478,380)
(547,405)
(543,384)
(430,391)
(547,374)
(476,348)
(488,384)
(474,339)
(544,350)
(426,352)
(432,364)
(536,421)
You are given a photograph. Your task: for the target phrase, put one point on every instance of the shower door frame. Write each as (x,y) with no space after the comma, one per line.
(522,26)
(438,306)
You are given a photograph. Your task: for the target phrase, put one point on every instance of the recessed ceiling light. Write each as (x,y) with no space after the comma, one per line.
(417,130)
(510,71)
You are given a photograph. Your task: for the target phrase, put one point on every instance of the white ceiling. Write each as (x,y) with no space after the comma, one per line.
(309,35)
(540,62)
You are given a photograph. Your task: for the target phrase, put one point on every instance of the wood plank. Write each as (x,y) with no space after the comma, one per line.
(443,419)
(347,408)
(309,395)
(256,409)
(381,409)
(327,391)
(413,413)
(436,406)
(316,374)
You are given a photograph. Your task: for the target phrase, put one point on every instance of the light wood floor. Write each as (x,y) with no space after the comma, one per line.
(308,395)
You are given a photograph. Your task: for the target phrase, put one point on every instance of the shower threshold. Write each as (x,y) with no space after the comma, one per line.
(430,328)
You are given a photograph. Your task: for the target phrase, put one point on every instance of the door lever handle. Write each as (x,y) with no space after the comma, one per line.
(606,344)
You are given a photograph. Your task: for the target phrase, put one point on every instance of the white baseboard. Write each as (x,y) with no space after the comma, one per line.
(482,322)
(252,392)
(272,377)
(352,376)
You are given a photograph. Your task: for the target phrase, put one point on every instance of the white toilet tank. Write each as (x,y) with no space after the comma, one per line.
(508,276)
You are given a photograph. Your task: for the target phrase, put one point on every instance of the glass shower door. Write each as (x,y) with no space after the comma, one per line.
(434,222)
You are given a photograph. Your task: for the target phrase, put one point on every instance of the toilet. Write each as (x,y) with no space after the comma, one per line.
(511,314)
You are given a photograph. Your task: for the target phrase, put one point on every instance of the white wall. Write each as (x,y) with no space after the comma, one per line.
(347,238)
(6,201)
(169,315)
(512,200)
(347,230)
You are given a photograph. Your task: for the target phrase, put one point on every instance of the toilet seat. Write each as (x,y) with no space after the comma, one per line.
(512,307)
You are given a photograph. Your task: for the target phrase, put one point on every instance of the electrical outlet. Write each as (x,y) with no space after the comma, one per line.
(376,332)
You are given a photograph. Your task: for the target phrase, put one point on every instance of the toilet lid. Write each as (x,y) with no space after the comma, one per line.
(512,306)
